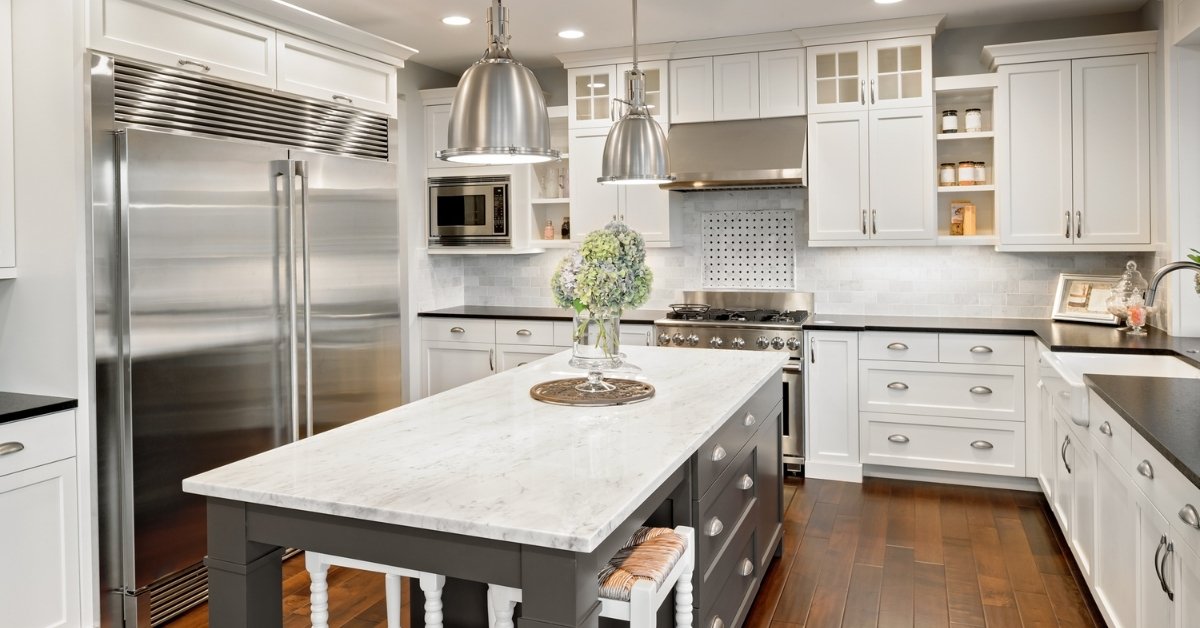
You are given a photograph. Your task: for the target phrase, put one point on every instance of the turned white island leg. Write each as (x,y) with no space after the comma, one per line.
(318,571)
(431,586)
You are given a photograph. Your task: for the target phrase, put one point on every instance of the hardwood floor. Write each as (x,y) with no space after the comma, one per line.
(885,553)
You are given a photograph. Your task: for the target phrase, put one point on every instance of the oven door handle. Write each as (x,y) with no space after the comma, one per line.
(793,369)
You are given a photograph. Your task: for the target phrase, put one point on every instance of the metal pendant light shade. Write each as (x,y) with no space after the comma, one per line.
(499,114)
(636,149)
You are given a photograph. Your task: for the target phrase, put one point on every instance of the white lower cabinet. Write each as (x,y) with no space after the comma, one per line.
(831,399)
(448,364)
(1113,578)
(39,524)
(1154,604)
(1047,443)
(512,356)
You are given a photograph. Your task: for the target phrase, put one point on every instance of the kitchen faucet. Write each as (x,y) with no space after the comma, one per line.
(1162,273)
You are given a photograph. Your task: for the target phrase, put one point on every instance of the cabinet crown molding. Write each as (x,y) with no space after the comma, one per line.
(760,42)
(997,55)
(289,18)
(438,96)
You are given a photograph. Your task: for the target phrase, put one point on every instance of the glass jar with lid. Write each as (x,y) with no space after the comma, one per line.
(974,120)
(948,174)
(1128,290)
(950,121)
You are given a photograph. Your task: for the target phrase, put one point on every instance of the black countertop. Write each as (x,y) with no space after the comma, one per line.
(17,406)
(1165,411)
(643,317)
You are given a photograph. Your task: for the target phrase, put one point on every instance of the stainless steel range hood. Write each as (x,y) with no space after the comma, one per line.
(739,154)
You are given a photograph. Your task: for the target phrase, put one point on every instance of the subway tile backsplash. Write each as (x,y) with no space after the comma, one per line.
(909,281)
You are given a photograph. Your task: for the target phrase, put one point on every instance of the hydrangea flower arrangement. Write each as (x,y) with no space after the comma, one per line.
(607,274)
(1195,257)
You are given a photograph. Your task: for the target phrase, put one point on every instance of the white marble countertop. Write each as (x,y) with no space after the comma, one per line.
(486,460)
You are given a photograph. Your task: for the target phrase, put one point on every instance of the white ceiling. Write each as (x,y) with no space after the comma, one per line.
(535,23)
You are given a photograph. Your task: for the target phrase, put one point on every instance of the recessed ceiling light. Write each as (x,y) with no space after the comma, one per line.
(456,20)
(886,1)
(570,34)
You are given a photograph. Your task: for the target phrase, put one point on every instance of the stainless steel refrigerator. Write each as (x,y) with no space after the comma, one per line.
(247,288)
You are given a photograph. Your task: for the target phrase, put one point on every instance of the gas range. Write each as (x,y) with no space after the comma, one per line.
(749,321)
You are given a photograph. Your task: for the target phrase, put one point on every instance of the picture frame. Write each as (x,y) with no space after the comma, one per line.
(1082,299)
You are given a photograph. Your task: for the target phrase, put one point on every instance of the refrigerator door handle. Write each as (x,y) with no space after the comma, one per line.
(301,170)
(286,171)
(124,317)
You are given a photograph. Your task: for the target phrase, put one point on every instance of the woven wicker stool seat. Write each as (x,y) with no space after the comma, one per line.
(636,581)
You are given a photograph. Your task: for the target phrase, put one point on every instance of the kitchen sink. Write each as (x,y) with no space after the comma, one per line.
(1062,375)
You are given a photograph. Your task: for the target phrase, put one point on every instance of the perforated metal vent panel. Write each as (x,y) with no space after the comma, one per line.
(749,249)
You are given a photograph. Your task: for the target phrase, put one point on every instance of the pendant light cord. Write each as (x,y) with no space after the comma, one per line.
(635,38)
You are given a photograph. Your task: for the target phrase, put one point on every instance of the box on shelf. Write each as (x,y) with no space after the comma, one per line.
(962,218)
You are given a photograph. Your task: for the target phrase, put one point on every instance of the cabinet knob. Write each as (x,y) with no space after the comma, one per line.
(746,483)
(1145,468)
(716,623)
(718,453)
(1106,429)
(750,420)
(898,386)
(714,527)
(981,390)
(746,567)
(898,346)
(11,448)
(981,444)
(981,349)
(898,438)
(1189,516)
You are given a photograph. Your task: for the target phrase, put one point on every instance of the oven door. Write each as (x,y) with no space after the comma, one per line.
(793,413)
(468,211)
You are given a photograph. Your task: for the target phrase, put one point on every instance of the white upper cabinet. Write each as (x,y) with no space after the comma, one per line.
(590,93)
(645,208)
(319,71)
(735,87)
(887,73)
(657,98)
(185,36)
(838,159)
(782,86)
(1075,142)
(692,90)
(901,175)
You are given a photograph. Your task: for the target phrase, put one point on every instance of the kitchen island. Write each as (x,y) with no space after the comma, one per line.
(482,483)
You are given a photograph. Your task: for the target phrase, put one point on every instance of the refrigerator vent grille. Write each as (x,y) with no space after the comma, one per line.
(162,98)
(177,594)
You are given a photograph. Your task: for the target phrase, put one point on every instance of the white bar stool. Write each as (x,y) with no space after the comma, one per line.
(625,593)
(318,568)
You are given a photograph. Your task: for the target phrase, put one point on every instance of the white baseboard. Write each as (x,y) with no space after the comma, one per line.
(837,471)
(950,477)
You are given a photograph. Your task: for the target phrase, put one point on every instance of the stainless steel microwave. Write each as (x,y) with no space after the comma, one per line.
(470,211)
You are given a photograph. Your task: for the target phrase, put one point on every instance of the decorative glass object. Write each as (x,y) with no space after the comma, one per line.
(1130,288)
(596,347)
(1138,314)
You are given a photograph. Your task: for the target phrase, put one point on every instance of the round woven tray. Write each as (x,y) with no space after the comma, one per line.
(562,392)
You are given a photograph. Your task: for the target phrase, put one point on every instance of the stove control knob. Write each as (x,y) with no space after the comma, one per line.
(664,339)
(677,339)
(737,343)
(762,342)
(716,342)
(793,344)
(777,343)
(693,340)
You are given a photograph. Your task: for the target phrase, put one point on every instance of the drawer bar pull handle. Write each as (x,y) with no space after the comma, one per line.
(718,453)
(457,330)
(981,444)
(345,99)
(898,386)
(746,483)
(187,62)
(746,567)
(750,420)
(524,332)
(898,346)
(714,527)
(898,438)
(1146,469)
(1106,429)
(1190,516)
(11,448)
(981,390)
(981,349)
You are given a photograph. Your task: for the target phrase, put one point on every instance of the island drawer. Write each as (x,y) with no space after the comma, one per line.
(458,330)
(722,509)
(1109,429)
(903,346)
(959,390)
(769,484)
(1171,493)
(525,332)
(730,592)
(982,349)
(37,441)
(716,454)
(944,443)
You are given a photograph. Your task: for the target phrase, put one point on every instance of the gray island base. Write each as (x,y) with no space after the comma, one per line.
(484,485)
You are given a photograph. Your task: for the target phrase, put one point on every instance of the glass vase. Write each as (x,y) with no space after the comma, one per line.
(596,346)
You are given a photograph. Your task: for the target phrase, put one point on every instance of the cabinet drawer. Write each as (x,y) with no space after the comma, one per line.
(729,592)
(907,347)
(185,36)
(525,332)
(1108,429)
(958,390)
(319,71)
(1169,491)
(458,330)
(723,508)
(947,444)
(44,439)
(979,349)
(722,449)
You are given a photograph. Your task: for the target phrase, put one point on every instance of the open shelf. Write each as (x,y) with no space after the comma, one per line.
(947,137)
(551,201)
(965,189)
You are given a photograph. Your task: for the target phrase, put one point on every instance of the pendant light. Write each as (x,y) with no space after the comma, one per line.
(636,149)
(499,114)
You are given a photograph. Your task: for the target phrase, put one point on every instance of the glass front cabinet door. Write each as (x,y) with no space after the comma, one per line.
(900,74)
(590,93)
(838,78)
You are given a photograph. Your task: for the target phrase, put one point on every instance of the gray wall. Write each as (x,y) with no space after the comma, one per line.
(554,84)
